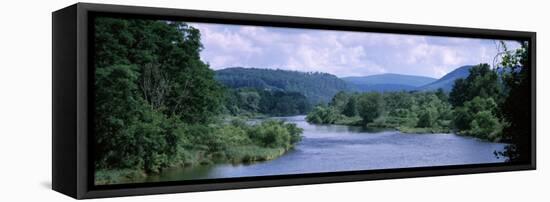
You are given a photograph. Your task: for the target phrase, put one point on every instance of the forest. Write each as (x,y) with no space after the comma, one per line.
(318,87)
(158,105)
(253,102)
(490,104)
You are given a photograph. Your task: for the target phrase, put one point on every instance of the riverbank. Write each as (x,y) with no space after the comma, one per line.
(236,142)
(236,155)
(383,124)
(334,148)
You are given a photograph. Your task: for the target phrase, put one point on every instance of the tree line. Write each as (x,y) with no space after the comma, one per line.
(318,87)
(406,111)
(252,102)
(491,104)
(157,105)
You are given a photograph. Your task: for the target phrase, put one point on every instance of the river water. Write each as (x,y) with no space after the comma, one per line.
(330,148)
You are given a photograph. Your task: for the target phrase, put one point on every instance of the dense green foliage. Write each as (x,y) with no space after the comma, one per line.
(476,99)
(234,142)
(158,105)
(369,106)
(481,82)
(342,109)
(145,86)
(421,111)
(471,108)
(221,141)
(323,115)
(317,87)
(516,107)
(251,102)
(350,108)
(478,118)
(491,104)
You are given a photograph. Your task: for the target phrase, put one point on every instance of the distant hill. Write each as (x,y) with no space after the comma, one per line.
(321,87)
(446,82)
(387,82)
(317,87)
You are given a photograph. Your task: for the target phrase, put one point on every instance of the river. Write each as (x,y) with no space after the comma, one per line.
(330,148)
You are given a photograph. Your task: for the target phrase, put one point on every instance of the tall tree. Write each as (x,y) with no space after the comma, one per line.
(516,109)
(340,100)
(370,106)
(350,109)
(149,80)
(172,78)
(482,82)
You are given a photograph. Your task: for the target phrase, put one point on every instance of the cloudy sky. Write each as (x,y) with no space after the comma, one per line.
(341,53)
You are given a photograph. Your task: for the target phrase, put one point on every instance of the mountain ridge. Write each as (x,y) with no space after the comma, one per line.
(378,79)
(319,87)
(447,81)
(387,82)
(316,86)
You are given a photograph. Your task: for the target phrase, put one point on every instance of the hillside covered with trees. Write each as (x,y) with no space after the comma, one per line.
(317,87)
(251,102)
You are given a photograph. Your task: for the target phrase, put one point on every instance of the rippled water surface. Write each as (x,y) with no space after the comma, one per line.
(329,148)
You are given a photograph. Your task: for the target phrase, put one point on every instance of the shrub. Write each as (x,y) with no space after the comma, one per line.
(485,125)
(322,115)
(370,106)
(477,118)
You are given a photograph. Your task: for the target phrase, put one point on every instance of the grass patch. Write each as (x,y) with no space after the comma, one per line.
(252,153)
(118,176)
(423,130)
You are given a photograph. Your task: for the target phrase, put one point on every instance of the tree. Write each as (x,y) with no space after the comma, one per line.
(316,86)
(461,119)
(478,118)
(482,82)
(441,94)
(458,94)
(249,100)
(350,109)
(322,115)
(283,103)
(172,78)
(370,106)
(400,100)
(149,83)
(427,117)
(275,134)
(340,100)
(516,109)
(485,125)
(116,108)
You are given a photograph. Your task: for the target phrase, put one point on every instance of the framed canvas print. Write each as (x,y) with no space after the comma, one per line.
(155,100)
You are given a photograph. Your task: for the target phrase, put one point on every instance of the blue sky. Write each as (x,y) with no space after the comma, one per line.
(342,53)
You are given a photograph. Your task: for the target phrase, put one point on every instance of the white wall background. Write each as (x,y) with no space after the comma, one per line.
(25,102)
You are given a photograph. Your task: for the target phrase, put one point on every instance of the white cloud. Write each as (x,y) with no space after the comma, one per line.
(337,52)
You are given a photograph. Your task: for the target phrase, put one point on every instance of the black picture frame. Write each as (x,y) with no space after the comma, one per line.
(72,100)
